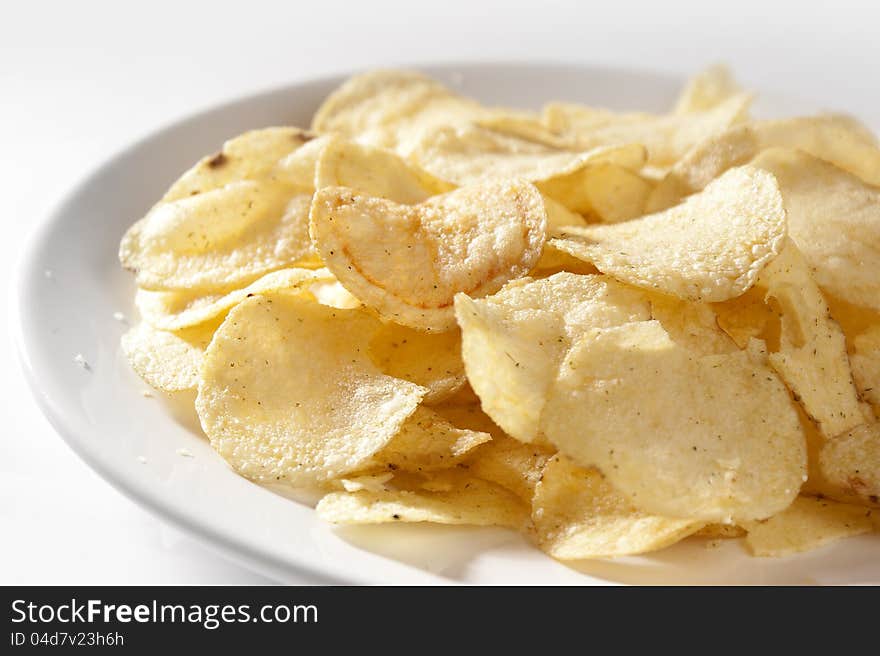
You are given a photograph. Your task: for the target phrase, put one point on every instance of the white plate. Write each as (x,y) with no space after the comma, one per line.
(71,285)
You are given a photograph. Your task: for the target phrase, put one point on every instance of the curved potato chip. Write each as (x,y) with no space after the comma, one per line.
(248,156)
(807,524)
(693,325)
(167,361)
(180,309)
(221,238)
(390,108)
(835,138)
(834,218)
(577,514)
(667,137)
(460,500)
(375,172)
(288,392)
(511,464)
(705,437)
(812,357)
(852,462)
(720,531)
(513,341)
(427,442)
(710,248)
(432,360)
(470,154)
(706,90)
(408,261)
(613,193)
(748,317)
(865,362)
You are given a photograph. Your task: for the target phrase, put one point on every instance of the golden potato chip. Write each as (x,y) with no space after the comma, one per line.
(710,248)
(427,442)
(865,362)
(667,137)
(391,108)
(330,292)
(289,393)
(748,317)
(408,261)
(168,361)
(370,482)
(852,462)
(577,514)
(834,218)
(693,325)
(807,524)
(559,216)
(180,309)
(835,138)
(513,341)
(221,238)
(459,500)
(613,193)
(720,531)
(812,357)
(706,90)
(432,360)
(511,464)
(705,437)
(375,172)
(470,154)
(249,156)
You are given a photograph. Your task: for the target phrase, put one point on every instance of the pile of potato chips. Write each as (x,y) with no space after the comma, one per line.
(610,331)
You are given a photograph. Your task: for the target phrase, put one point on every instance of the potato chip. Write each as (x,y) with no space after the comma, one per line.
(692,325)
(427,442)
(577,515)
(865,362)
(852,462)
(288,392)
(812,357)
(511,464)
(834,218)
(179,309)
(470,154)
(249,156)
(460,500)
(807,524)
(432,360)
(666,137)
(720,531)
(613,193)
(710,248)
(221,238)
(391,108)
(167,361)
(706,90)
(375,172)
(333,294)
(748,317)
(706,437)
(835,138)
(408,261)
(513,341)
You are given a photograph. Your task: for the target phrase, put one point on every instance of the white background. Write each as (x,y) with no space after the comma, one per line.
(79,80)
